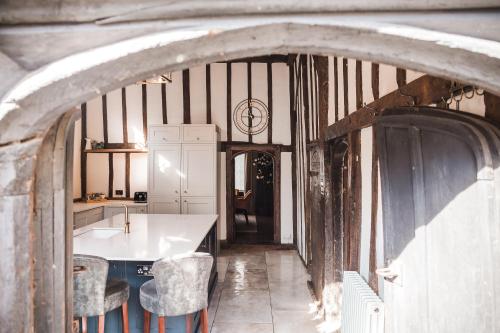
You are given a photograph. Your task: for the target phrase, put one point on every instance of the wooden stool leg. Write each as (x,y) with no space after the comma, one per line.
(161,324)
(204,321)
(84,324)
(125,317)
(147,321)
(101,324)
(189,320)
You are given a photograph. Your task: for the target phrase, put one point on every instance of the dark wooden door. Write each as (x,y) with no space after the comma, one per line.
(440,218)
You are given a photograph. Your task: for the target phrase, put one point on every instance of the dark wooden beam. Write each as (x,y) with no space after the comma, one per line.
(322,71)
(422,91)
(375,81)
(208,84)
(111,177)
(401,77)
(359,84)
(355,199)
(104,101)
(186,97)
(273,58)
(270,102)
(249,96)
(127,175)
(124,115)
(229,119)
(164,103)
(83,156)
(229,144)
(345,73)
(492,108)
(145,111)
(336,83)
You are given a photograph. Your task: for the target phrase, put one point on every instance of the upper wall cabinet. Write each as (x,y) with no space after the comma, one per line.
(182,168)
(159,134)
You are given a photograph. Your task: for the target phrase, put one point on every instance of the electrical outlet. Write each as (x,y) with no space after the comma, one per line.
(118,192)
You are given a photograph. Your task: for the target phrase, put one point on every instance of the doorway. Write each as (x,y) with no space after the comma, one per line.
(253,195)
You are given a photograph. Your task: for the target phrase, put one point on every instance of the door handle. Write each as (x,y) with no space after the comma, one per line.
(386,273)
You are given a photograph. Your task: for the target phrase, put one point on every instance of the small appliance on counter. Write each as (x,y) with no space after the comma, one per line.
(141,197)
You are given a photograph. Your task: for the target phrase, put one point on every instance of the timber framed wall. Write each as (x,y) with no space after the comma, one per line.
(198,95)
(357,90)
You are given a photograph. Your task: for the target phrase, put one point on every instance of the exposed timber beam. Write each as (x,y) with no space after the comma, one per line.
(422,91)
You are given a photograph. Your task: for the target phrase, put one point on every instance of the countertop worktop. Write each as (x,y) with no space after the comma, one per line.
(83,206)
(151,237)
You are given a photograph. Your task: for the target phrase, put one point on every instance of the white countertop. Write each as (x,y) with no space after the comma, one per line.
(83,206)
(151,237)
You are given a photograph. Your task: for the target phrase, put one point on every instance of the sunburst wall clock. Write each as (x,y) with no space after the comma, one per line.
(251,116)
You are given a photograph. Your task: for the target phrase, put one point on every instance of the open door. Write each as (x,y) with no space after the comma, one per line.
(441,229)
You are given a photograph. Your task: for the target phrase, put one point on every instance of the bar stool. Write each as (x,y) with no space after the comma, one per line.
(93,295)
(179,287)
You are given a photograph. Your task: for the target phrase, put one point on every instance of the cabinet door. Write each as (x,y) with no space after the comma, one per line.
(198,170)
(141,210)
(198,205)
(164,170)
(198,133)
(112,211)
(164,134)
(164,205)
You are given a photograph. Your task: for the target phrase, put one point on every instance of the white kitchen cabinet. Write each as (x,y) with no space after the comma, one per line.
(164,163)
(182,175)
(196,205)
(165,205)
(161,134)
(198,168)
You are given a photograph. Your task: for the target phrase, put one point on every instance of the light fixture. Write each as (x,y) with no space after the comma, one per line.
(165,78)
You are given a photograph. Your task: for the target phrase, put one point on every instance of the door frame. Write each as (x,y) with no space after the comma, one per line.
(231,152)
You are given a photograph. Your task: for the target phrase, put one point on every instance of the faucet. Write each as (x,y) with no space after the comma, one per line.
(127,220)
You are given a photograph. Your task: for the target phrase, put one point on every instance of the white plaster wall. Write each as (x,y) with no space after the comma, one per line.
(259,91)
(286,199)
(198,94)
(219,98)
(281,104)
(366,200)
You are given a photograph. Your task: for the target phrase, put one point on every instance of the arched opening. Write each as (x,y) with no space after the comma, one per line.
(254,197)
(31,108)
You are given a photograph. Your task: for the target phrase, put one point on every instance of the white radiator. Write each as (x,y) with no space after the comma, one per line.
(362,309)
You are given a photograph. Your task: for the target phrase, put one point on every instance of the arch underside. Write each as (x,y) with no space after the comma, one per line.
(134,51)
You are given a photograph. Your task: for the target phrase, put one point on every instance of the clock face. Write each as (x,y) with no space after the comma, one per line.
(251,116)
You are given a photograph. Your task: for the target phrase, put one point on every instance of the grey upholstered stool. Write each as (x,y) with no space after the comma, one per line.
(179,287)
(92,295)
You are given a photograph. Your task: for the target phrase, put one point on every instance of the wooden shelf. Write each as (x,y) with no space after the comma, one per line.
(118,150)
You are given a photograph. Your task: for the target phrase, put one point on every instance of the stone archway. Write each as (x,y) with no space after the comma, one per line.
(36,102)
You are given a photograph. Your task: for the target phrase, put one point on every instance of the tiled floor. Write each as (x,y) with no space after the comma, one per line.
(262,290)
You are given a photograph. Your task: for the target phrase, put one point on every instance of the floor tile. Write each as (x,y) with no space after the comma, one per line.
(295,321)
(214,303)
(222,263)
(247,262)
(244,307)
(242,327)
(290,295)
(248,279)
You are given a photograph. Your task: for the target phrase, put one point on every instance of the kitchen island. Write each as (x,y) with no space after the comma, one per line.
(130,256)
